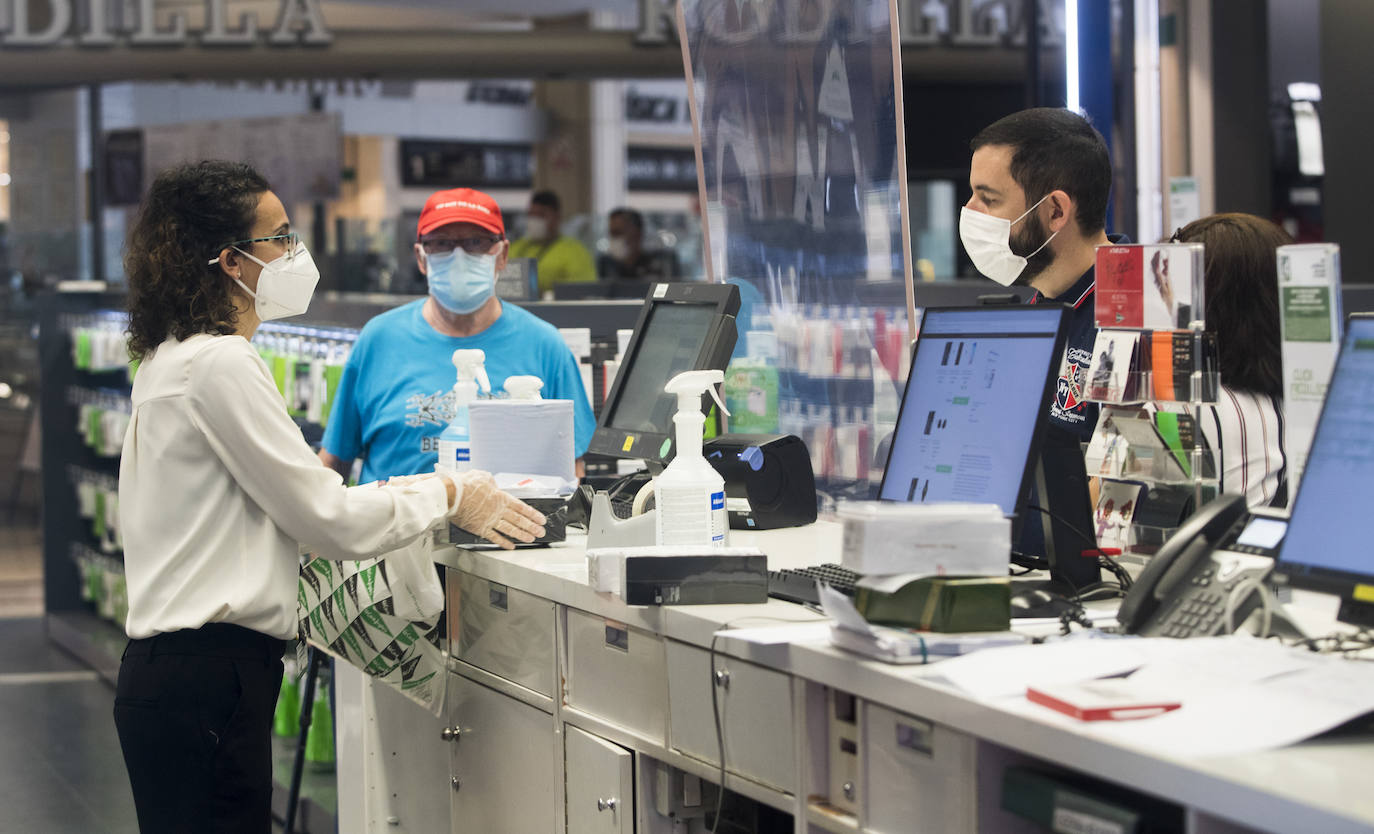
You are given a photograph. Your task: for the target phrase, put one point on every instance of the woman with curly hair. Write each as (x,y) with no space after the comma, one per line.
(1240,285)
(218,491)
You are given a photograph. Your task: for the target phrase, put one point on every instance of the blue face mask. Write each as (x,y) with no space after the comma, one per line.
(460,282)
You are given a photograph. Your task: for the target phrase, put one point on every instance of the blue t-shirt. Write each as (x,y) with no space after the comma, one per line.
(396,393)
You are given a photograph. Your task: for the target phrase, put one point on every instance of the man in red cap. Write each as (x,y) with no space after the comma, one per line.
(395,396)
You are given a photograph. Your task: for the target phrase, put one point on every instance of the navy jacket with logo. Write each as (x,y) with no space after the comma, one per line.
(1068,411)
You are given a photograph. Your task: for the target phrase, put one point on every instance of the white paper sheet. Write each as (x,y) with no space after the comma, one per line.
(1263,715)
(1202,665)
(807,631)
(1008,671)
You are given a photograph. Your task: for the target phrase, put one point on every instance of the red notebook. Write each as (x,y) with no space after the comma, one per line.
(1112,699)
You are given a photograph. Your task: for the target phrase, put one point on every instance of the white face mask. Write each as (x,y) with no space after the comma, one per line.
(618,248)
(536,227)
(285,286)
(987,240)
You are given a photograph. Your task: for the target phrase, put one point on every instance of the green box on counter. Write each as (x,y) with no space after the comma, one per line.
(941,603)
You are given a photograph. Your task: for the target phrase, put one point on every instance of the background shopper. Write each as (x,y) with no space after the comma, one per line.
(558,258)
(396,393)
(1240,287)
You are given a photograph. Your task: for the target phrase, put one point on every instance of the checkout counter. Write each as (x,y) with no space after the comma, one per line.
(568,710)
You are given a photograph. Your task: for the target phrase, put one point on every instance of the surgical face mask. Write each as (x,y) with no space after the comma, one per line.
(987,240)
(460,282)
(285,285)
(618,248)
(536,227)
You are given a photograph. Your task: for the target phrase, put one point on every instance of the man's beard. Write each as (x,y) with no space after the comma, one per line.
(1031,237)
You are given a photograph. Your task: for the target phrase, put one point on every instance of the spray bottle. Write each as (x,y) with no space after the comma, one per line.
(524,387)
(455,443)
(690,493)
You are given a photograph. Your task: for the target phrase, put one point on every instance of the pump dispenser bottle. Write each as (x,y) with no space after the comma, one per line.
(690,493)
(455,443)
(524,387)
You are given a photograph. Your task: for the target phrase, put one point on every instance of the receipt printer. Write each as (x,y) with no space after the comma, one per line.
(768,479)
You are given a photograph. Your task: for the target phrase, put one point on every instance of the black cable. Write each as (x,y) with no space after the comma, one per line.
(720,734)
(1121,574)
(715,702)
(1072,528)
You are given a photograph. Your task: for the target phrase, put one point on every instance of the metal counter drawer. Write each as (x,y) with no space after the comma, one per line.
(755,711)
(920,776)
(502,630)
(618,674)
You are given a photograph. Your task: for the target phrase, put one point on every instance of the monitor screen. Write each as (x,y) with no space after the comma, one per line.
(672,339)
(681,327)
(1330,530)
(974,400)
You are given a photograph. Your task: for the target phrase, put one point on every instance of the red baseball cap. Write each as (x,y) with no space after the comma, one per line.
(460,205)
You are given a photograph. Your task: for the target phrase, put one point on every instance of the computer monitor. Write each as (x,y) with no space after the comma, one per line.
(682,327)
(1327,545)
(972,421)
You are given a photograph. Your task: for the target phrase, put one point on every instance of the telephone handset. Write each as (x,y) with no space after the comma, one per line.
(1186,588)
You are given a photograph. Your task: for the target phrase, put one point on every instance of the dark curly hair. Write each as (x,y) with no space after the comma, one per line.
(1240,284)
(190,213)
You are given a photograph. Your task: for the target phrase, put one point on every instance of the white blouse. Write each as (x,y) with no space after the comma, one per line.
(218,491)
(1248,429)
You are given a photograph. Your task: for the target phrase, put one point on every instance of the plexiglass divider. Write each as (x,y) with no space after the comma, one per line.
(796,108)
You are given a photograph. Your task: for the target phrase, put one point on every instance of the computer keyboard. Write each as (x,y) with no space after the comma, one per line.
(799,584)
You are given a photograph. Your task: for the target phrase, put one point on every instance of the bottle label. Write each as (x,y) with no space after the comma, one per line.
(684,515)
(720,519)
(455,455)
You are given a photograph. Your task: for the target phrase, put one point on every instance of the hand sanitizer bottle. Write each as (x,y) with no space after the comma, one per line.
(455,443)
(524,387)
(690,493)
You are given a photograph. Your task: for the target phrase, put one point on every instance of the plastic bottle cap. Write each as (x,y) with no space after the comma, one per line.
(524,387)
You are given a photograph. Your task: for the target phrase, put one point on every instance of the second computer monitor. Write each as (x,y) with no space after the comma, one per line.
(683,327)
(973,411)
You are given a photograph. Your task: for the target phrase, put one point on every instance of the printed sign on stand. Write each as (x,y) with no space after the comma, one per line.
(1310,320)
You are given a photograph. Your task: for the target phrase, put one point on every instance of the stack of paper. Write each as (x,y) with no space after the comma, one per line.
(900,645)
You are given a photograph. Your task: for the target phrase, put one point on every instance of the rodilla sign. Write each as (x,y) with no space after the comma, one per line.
(104,23)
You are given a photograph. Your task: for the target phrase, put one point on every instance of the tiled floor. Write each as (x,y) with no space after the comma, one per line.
(63,771)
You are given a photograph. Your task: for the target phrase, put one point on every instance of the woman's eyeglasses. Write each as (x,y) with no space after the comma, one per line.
(471,245)
(291,240)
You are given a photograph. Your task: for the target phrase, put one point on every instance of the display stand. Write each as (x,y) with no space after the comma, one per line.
(1152,381)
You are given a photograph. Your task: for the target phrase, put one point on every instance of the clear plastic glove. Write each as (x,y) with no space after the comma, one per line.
(492,514)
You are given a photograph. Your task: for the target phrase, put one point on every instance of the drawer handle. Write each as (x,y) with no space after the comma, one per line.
(456,784)
(451,733)
(497,596)
(723,678)
(605,804)
(617,637)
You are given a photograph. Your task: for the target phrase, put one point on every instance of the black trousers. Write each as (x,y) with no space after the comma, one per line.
(194,714)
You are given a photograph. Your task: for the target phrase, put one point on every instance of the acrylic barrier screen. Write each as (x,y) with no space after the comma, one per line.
(795,108)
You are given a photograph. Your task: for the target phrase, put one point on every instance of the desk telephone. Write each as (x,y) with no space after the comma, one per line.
(1216,561)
